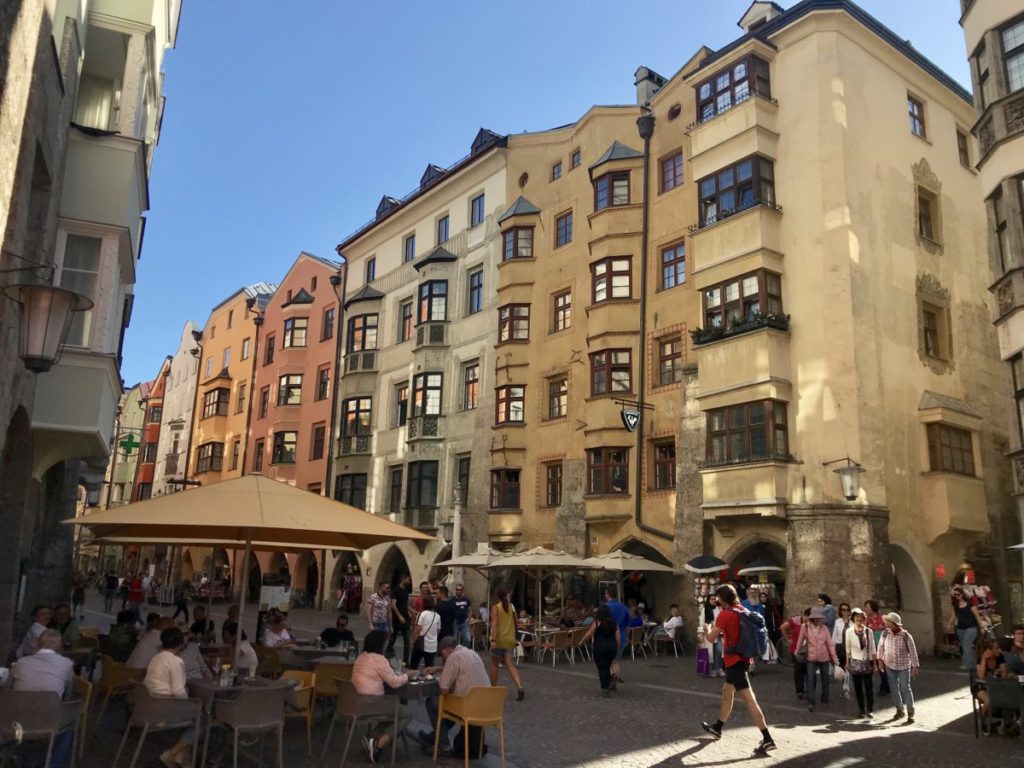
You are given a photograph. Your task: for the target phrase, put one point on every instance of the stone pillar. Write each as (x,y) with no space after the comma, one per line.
(691,538)
(129,119)
(571,532)
(839,549)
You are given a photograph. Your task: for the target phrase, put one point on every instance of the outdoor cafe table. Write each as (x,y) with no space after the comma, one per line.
(209,689)
(413,690)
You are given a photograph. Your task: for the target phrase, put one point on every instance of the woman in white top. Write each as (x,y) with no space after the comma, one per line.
(424,635)
(276,634)
(839,632)
(860,660)
(165,676)
(247,660)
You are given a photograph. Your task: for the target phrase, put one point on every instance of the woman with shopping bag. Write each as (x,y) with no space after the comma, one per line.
(860,661)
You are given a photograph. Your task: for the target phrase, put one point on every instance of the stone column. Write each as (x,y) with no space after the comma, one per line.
(129,118)
(691,538)
(839,549)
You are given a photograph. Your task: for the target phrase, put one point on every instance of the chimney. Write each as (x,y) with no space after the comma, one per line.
(648,82)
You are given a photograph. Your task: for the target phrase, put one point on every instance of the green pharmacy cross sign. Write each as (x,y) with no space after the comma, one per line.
(128,444)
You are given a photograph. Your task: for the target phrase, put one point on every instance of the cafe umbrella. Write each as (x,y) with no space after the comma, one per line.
(540,563)
(705,564)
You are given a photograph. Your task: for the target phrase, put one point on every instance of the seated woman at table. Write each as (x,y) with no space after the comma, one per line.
(276,634)
(370,674)
(990,664)
(247,661)
(636,619)
(572,614)
(165,676)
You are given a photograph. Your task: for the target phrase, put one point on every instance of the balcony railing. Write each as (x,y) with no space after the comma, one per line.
(709,117)
(432,335)
(758,459)
(421,518)
(716,332)
(355,445)
(361,361)
(425,427)
(723,215)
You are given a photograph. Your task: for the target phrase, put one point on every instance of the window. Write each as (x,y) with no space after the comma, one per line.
(351,490)
(611,189)
(963,148)
(518,243)
(510,404)
(442,230)
(476,292)
(742,300)
(426,394)
(240,405)
(371,269)
(80,272)
(409,248)
(1013,55)
(470,385)
(556,171)
(401,403)
(950,449)
(558,397)
(505,488)
(289,389)
(268,353)
(422,489)
(209,366)
(215,402)
(327,325)
(257,456)
(672,171)
(930,328)
(553,485)
(563,229)
(747,432)
(236,452)
(575,159)
(433,305)
(981,66)
(748,183)
(608,471)
(362,333)
(927,214)
(210,458)
(295,332)
(149,453)
(405,321)
(1002,231)
(563,311)
(610,371)
(611,278)
(670,360)
(462,466)
(514,322)
(226,358)
(356,413)
(915,111)
(312,284)
(264,401)
(731,86)
(673,266)
(323,382)
(156,413)
(145,491)
(395,491)
(476,210)
(1017,369)
(664,466)
(246,342)
(316,449)
(284,447)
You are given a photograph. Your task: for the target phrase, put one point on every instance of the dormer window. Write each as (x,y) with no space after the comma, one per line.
(612,189)
(518,243)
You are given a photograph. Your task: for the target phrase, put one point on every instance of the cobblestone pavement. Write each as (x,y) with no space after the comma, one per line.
(654,721)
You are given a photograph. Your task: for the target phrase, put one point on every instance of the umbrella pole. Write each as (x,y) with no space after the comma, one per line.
(241,605)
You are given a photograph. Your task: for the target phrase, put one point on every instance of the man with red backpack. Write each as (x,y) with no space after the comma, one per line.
(742,631)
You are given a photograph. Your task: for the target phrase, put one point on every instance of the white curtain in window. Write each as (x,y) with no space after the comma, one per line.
(79,273)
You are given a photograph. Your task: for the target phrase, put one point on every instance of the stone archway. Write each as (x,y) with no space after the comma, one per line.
(440,572)
(221,563)
(913,598)
(306,574)
(278,564)
(656,590)
(393,566)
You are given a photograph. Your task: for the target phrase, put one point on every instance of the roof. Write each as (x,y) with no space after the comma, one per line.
(801,9)
(302,297)
(521,207)
(754,5)
(439,255)
(366,293)
(617,151)
(931,399)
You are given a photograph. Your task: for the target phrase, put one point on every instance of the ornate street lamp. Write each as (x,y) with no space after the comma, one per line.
(45,319)
(849,476)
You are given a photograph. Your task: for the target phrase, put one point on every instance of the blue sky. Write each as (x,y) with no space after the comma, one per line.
(283,128)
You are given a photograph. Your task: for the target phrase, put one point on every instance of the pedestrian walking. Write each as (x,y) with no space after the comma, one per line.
(181,601)
(897,658)
(965,620)
(728,628)
(828,611)
(78,597)
(605,633)
(821,652)
(135,595)
(503,640)
(875,623)
(860,661)
(110,585)
(620,614)
(400,618)
(839,632)
(378,608)
(791,634)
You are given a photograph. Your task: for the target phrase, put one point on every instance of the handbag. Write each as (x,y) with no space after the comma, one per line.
(418,645)
(861,666)
(801,652)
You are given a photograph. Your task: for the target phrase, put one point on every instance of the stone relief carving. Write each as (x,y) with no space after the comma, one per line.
(1004,297)
(930,289)
(1014,112)
(986,137)
(925,177)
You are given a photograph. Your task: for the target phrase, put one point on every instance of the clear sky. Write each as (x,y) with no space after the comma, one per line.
(286,122)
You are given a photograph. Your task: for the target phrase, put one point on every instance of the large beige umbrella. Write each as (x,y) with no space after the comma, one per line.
(540,562)
(478,561)
(236,513)
(625,562)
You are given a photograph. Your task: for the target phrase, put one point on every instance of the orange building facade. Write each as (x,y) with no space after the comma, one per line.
(146,467)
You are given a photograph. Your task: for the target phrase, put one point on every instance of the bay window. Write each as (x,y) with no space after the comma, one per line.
(742,299)
(610,190)
(510,404)
(748,183)
(611,371)
(608,471)
(747,432)
(518,243)
(362,333)
(611,278)
(433,301)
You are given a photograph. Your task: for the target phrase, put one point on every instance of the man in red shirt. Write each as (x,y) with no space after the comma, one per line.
(727,626)
(135,595)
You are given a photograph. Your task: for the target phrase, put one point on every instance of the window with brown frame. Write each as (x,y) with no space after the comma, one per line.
(747,432)
(401,403)
(748,183)
(556,171)
(395,492)
(362,333)
(915,113)
(283,450)
(553,485)
(433,306)
(575,159)
(323,382)
(963,148)
(672,171)
(240,405)
(563,311)
(470,385)
(673,266)
(295,332)
(518,243)
(664,465)
(558,397)
(611,190)
(215,402)
(670,360)
(268,351)
(950,449)
(210,458)
(563,229)
(611,278)
(264,401)
(409,248)
(514,322)
(326,329)
(731,86)
(405,321)
(608,471)
(930,330)
(927,205)
(742,299)
(356,415)
(427,389)
(510,404)
(1012,36)
(505,488)
(421,492)
(289,389)
(316,448)
(257,457)
(611,371)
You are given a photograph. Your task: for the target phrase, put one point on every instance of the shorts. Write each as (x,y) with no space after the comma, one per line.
(497,653)
(736,675)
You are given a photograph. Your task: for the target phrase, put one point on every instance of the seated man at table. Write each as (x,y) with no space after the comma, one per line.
(370,674)
(149,644)
(65,623)
(47,670)
(462,671)
(339,633)
(165,676)
(572,614)
(1014,653)
(247,660)
(196,667)
(122,637)
(203,629)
